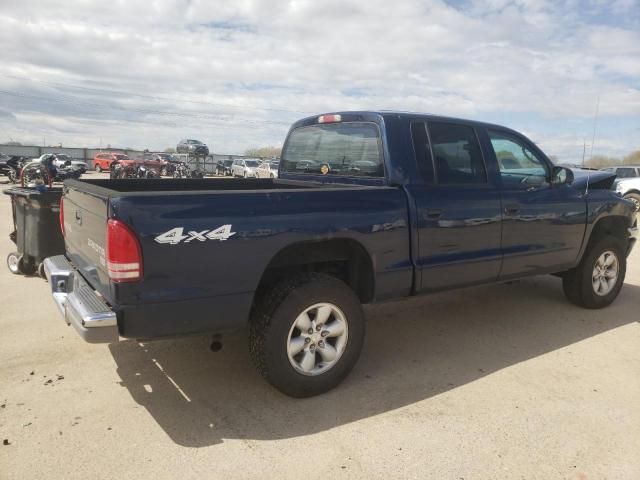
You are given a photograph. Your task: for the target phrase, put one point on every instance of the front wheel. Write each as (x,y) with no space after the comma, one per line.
(306,334)
(597,280)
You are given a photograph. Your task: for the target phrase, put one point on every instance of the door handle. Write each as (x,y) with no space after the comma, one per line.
(511,209)
(433,213)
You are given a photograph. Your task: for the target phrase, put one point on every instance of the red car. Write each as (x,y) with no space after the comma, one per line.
(102,161)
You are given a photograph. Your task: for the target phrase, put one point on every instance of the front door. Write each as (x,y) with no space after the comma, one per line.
(543,224)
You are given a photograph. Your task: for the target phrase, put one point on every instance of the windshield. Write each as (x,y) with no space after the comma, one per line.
(63,157)
(121,157)
(352,149)
(251,163)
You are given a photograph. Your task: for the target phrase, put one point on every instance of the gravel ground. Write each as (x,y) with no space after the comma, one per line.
(504,381)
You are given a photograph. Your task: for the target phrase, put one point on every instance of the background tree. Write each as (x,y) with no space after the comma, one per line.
(632,159)
(170,150)
(263,152)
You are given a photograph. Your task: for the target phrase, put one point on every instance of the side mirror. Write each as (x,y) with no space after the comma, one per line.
(561,176)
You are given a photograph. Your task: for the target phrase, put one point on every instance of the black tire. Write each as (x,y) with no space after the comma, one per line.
(578,282)
(635,198)
(98,169)
(273,317)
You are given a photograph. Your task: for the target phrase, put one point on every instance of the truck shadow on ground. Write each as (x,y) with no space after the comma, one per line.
(415,349)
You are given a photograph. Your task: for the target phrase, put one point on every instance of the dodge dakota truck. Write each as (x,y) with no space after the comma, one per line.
(367,207)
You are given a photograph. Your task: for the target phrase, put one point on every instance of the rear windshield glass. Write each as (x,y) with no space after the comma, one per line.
(352,149)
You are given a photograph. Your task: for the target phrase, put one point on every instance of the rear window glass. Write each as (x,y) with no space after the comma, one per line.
(352,149)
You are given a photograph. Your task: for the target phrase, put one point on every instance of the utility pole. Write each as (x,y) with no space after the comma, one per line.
(584,149)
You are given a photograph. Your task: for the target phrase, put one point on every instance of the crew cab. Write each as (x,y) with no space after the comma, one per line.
(367,207)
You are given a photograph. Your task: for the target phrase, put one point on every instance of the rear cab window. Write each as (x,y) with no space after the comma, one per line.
(347,149)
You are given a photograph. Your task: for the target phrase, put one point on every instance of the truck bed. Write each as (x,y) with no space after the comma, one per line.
(201,185)
(199,273)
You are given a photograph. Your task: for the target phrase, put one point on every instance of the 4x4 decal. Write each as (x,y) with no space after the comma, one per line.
(176,235)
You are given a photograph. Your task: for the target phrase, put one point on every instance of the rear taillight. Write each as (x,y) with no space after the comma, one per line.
(62,215)
(124,257)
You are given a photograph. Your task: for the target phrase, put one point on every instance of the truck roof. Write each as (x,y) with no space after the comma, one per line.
(398,113)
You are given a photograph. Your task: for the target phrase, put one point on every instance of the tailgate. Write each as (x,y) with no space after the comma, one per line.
(85,226)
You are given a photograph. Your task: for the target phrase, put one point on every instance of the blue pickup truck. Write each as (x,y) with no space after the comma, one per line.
(368,206)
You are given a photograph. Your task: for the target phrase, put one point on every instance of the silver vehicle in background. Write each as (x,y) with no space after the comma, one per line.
(245,168)
(268,169)
(627,182)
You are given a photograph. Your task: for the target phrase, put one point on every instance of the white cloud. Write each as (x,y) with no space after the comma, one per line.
(236,73)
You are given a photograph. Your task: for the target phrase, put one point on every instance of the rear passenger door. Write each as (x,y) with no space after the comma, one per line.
(458,207)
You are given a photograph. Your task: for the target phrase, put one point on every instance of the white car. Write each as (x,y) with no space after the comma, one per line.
(268,169)
(60,160)
(244,168)
(629,188)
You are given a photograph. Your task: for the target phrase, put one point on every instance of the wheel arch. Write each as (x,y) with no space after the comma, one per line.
(615,225)
(343,258)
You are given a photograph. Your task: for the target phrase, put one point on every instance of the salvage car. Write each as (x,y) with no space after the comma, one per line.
(192,147)
(244,168)
(294,258)
(268,169)
(102,161)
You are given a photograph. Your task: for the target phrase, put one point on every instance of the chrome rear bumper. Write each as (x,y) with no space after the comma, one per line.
(79,304)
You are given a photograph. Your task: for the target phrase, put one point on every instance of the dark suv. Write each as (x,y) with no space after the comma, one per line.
(223,167)
(193,147)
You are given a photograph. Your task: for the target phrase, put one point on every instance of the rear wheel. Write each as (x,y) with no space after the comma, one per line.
(98,169)
(306,334)
(597,280)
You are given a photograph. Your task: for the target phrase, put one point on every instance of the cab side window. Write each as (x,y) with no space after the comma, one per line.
(456,154)
(519,166)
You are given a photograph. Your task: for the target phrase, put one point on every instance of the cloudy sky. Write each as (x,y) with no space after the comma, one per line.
(235,74)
